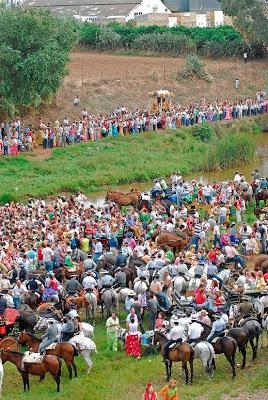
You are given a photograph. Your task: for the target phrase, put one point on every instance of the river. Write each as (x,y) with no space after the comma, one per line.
(260,162)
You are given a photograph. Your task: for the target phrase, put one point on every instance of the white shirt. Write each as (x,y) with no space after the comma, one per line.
(195,330)
(98,247)
(89,282)
(47,254)
(177,333)
(17,291)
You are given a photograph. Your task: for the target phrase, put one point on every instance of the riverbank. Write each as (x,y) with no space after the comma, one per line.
(141,157)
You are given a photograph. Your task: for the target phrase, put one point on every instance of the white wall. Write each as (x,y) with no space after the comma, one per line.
(201,20)
(148,7)
(219,18)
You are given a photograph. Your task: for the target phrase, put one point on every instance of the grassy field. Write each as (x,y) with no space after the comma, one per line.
(114,376)
(105,81)
(111,161)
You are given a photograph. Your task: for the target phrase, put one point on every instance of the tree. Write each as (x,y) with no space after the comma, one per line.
(34,51)
(250,18)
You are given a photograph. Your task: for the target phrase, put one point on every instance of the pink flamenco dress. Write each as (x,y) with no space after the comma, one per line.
(228,115)
(133,346)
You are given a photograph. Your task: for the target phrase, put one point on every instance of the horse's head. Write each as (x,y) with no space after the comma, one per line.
(41,325)
(23,338)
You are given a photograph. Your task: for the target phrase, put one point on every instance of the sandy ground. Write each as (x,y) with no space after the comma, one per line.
(104,81)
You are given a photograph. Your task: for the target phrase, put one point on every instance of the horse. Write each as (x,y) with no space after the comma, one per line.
(205,352)
(227,345)
(253,328)
(262,195)
(247,196)
(109,299)
(62,350)
(261,262)
(123,199)
(172,240)
(51,310)
(32,300)
(241,337)
(180,284)
(42,325)
(131,275)
(140,285)
(180,353)
(49,363)
(26,318)
(106,261)
(90,303)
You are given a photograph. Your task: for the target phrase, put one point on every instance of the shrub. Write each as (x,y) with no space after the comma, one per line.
(203,132)
(193,68)
(108,40)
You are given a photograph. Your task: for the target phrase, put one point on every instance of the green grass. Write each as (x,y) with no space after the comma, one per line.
(114,376)
(112,161)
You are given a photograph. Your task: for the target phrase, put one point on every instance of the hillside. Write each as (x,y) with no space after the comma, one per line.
(104,81)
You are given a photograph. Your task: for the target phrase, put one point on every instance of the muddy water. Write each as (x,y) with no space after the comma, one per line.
(260,162)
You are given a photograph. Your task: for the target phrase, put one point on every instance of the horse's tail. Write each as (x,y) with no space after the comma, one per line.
(75,351)
(59,370)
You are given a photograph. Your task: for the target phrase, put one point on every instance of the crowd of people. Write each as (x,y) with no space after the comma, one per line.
(41,237)
(16,136)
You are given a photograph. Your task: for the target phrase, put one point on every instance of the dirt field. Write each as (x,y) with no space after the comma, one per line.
(105,81)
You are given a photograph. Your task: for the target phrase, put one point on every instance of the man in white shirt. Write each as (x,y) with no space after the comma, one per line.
(195,331)
(89,282)
(176,335)
(47,258)
(17,293)
(237,178)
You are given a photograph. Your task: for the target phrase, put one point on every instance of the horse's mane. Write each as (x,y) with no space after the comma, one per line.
(32,336)
(162,334)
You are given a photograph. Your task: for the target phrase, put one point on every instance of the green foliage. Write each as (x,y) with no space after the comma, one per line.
(222,41)
(193,68)
(203,132)
(250,18)
(34,51)
(108,40)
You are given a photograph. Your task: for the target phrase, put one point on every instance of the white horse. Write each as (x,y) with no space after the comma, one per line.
(205,352)
(42,325)
(180,284)
(123,294)
(265,327)
(194,283)
(224,275)
(260,303)
(1,376)
(140,285)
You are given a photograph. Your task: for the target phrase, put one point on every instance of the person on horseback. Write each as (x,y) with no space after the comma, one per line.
(68,329)
(245,308)
(244,185)
(73,287)
(89,264)
(263,185)
(195,330)
(50,335)
(120,279)
(176,335)
(218,327)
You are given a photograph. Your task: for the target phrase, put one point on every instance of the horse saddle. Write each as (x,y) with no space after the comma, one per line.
(220,336)
(32,358)
(51,346)
(244,320)
(175,344)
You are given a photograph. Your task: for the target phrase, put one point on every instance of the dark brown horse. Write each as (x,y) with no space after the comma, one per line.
(241,338)
(262,263)
(180,353)
(49,364)
(32,299)
(227,345)
(62,350)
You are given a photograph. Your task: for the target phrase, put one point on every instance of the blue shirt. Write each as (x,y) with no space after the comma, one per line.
(218,326)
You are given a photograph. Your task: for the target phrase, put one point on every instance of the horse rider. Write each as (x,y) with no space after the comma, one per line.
(156,287)
(89,264)
(212,272)
(156,189)
(255,175)
(73,287)
(218,327)
(176,335)
(68,328)
(120,279)
(89,282)
(50,336)
(245,308)
(33,285)
(244,185)
(183,321)
(3,304)
(195,330)
(121,259)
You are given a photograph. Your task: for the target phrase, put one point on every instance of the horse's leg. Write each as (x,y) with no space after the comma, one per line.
(167,370)
(42,377)
(251,341)
(74,367)
(24,382)
(184,365)
(69,366)
(191,362)
(170,369)
(244,354)
(231,362)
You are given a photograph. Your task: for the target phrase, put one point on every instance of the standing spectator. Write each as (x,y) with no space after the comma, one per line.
(17,292)
(113,326)
(152,305)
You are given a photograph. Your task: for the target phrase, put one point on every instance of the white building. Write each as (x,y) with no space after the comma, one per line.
(148,7)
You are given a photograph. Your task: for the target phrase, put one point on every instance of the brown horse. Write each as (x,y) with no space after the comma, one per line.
(124,199)
(172,240)
(263,195)
(62,350)
(227,345)
(32,299)
(49,364)
(262,263)
(180,353)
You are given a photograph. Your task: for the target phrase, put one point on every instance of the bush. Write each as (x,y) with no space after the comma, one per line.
(193,68)
(108,40)
(167,43)
(203,132)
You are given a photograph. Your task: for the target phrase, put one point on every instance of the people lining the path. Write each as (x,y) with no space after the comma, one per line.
(18,137)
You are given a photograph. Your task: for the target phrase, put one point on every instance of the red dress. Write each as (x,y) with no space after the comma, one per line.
(133,347)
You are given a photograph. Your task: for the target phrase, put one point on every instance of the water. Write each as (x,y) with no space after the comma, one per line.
(260,162)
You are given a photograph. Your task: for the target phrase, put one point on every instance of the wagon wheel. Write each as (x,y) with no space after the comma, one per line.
(9,343)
